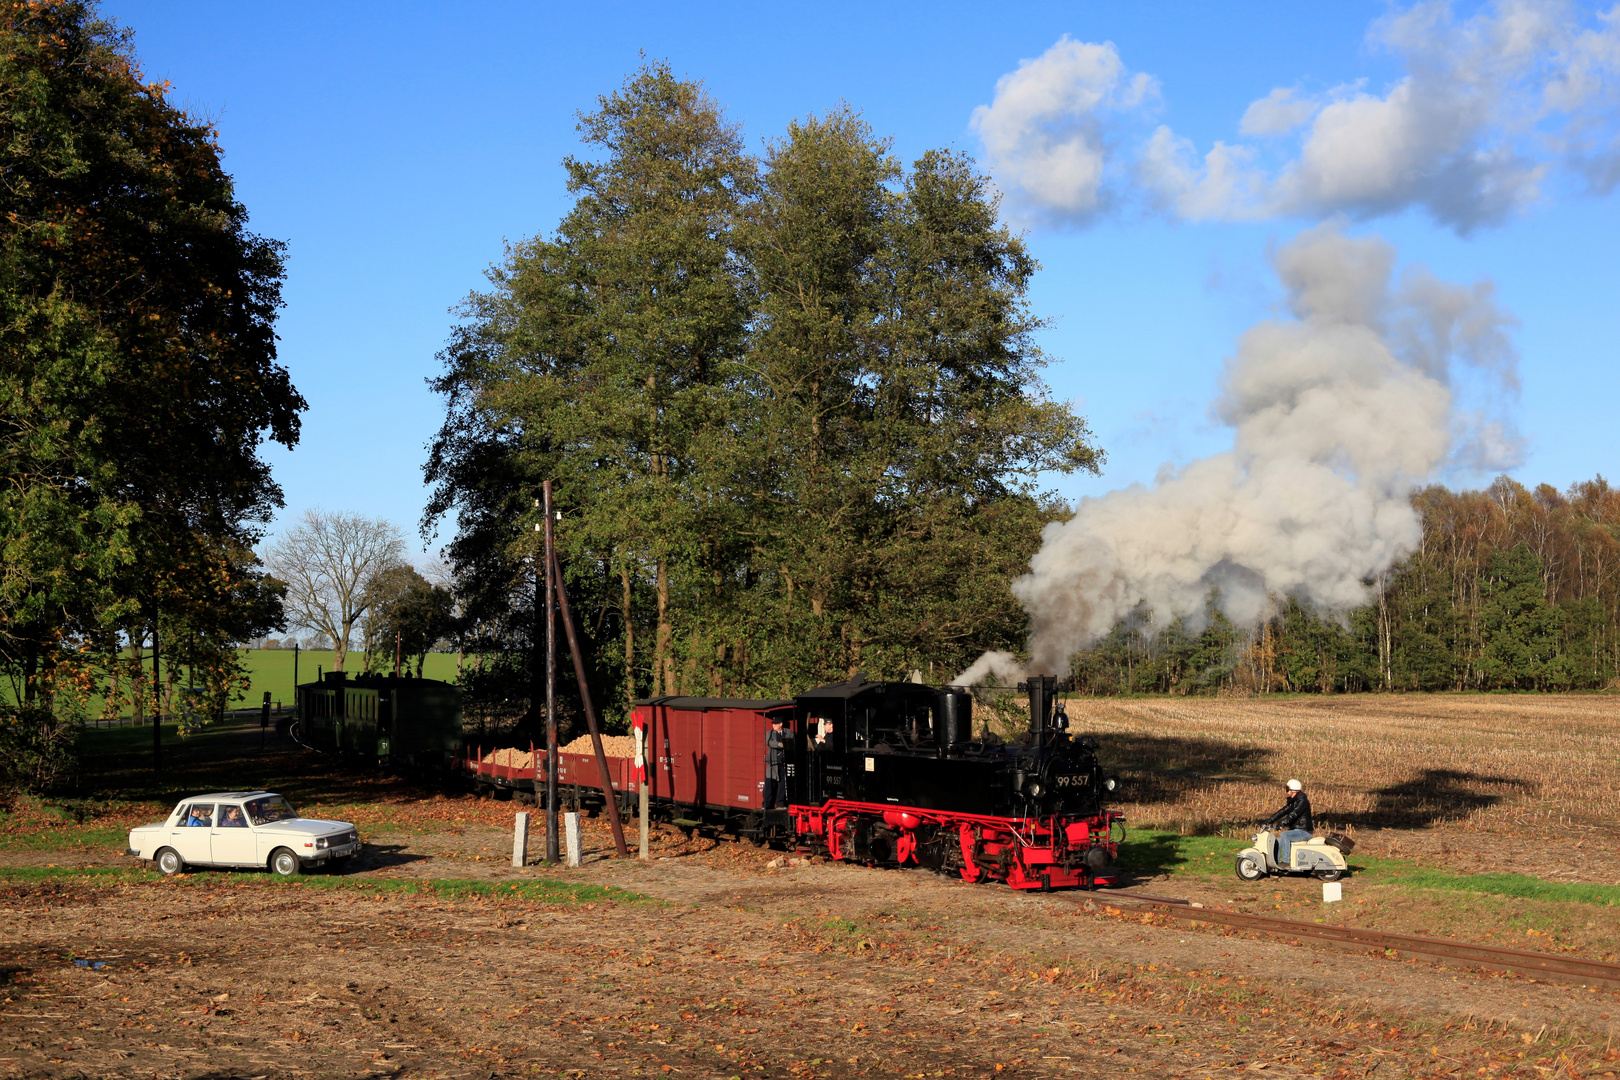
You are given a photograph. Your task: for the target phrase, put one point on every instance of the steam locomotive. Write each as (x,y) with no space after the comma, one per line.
(886,774)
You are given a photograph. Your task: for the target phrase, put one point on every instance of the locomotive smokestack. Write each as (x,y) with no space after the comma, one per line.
(1040,689)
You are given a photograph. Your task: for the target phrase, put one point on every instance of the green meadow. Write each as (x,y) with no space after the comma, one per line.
(272,670)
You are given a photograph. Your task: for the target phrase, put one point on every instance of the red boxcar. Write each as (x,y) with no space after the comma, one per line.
(706,752)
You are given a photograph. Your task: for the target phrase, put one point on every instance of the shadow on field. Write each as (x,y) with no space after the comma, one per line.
(385,857)
(1436,796)
(1148,856)
(1165,768)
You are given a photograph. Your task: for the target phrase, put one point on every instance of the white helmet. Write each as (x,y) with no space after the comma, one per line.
(1295,785)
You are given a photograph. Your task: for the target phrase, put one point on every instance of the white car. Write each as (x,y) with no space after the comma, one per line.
(243,828)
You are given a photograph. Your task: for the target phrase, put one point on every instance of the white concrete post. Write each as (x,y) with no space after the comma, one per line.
(1332,892)
(571,836)
(520,840)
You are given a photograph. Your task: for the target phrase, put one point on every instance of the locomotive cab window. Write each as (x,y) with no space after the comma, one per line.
(901,720)
(821,730)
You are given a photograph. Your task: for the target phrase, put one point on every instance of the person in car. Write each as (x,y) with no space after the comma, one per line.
(233,818)
(1294,819)
(200,817)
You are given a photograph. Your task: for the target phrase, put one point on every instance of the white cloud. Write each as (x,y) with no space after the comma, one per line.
(1489,110)
(1278,113)
(1047,130)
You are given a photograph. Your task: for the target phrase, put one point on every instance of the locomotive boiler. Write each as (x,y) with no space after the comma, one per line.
(891,774)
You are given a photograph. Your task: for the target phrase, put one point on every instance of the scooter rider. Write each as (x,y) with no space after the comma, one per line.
(1294,819)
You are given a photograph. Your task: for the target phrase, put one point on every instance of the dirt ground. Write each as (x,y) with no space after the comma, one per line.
(818,971)
(721,965)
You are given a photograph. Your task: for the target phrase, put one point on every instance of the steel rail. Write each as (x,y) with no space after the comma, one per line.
(1547,966)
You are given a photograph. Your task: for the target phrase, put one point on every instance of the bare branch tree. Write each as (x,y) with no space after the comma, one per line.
(328,561)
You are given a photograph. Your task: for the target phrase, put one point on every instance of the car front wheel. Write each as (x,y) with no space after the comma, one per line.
(168,862)
(285,864)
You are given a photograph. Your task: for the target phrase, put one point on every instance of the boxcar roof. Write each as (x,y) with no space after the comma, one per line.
(857,685)
(702,704)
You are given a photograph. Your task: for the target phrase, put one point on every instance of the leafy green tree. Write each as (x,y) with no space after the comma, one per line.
(1520,630)
(897,421)
(793,415)
(137,353)
(604,358)
(407,611)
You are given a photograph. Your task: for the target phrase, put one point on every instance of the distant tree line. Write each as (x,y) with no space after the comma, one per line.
(790,405)
(1511,588)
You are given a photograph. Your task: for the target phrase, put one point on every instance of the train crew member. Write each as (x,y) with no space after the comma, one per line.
(823,739)
(1294,819)
(775,746)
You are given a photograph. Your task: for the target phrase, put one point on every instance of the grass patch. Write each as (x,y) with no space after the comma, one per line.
(1520,886)
(1156,852)
(540,890)
(65,837)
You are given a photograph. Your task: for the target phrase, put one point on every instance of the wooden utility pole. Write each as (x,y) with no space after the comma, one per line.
(590,708)
(552,846)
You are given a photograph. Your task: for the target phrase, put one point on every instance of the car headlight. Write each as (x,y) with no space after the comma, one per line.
(322,843)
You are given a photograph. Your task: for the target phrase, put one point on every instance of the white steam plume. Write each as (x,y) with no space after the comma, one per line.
(1337,413)
(1003,665)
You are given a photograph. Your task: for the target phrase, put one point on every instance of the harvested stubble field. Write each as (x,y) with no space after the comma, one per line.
(1468,776)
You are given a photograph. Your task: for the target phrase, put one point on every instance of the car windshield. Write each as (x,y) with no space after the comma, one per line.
(268,809)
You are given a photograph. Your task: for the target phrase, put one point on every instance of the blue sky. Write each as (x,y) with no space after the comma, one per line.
(395,146)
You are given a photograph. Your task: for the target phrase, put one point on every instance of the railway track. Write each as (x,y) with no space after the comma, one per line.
(1546,966)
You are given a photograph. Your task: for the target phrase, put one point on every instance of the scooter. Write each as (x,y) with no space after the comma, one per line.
(1320,855)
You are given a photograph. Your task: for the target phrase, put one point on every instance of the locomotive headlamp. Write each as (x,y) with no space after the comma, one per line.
(1035,789)
(1111,784)
(1060,719)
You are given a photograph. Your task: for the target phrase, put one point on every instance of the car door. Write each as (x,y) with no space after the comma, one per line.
(234,842)
(192,841)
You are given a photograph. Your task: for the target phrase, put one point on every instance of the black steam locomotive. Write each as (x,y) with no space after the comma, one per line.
(892,773)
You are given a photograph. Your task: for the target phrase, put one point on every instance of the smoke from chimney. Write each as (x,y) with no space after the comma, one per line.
(1337,413)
